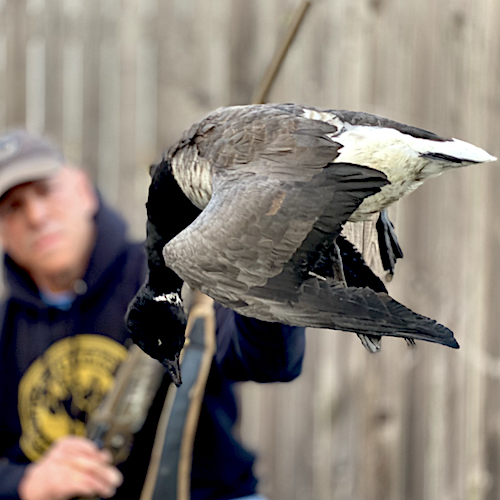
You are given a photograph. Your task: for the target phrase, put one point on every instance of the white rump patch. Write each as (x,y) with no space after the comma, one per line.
(375,146)
(402,158)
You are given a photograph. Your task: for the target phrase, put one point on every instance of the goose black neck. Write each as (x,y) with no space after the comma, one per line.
(169,212)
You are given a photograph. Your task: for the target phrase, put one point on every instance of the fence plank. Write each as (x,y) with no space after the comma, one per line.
(117,81)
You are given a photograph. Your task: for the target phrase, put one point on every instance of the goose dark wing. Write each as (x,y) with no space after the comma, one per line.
(316,298)
(316,303)
(255,223)
(249,249)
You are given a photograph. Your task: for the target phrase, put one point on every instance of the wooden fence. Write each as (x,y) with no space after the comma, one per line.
(117,81)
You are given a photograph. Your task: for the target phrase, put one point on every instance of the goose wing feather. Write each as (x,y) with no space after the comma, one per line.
(254,224)
(320,304)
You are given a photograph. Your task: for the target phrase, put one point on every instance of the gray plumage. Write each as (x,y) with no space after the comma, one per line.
(275,184)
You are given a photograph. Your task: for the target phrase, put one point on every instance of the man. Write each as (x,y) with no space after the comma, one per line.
(70,274)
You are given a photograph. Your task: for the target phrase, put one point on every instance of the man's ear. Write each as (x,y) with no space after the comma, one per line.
(3,238)
(87,191)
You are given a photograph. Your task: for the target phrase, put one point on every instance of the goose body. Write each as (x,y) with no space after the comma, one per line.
(262,193)
(406,155)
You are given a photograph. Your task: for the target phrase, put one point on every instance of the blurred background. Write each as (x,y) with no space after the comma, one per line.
(115,82)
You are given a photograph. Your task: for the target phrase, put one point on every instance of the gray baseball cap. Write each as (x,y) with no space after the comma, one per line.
(26,157)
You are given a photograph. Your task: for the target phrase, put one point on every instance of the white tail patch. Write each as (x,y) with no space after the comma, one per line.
(368,145)
(455,148)
(406,160)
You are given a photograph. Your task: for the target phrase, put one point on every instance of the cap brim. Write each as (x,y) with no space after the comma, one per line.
(27,171)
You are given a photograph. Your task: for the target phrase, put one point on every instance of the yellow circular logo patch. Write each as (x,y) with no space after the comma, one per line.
(63,387)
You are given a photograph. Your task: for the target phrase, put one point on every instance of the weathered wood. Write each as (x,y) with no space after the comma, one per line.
(118,82)
(14,23)
(260,96)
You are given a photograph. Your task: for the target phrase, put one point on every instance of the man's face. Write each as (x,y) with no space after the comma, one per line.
(47,226)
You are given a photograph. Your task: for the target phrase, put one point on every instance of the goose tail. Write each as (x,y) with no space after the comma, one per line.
(458,152)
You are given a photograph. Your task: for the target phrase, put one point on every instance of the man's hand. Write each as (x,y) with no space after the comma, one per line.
(71,467)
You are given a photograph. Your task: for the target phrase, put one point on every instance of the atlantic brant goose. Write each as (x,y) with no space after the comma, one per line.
(248,208)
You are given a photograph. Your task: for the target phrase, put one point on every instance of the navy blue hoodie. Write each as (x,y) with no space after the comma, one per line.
(55,366)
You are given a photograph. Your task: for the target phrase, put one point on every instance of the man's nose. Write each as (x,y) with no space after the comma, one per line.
(35,210)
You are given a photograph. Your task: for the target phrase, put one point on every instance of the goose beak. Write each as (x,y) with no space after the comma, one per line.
(174,369)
